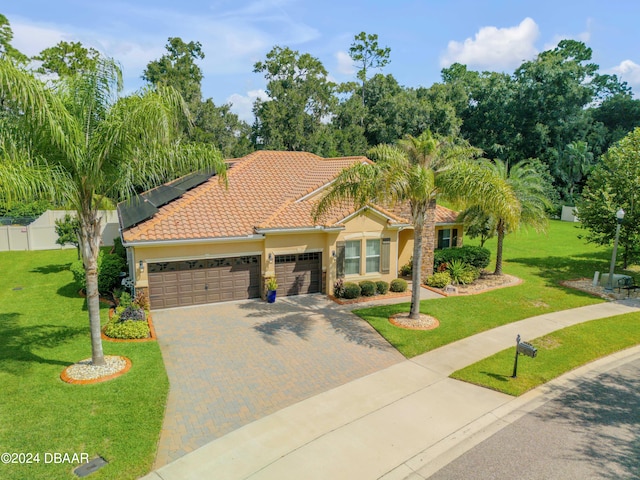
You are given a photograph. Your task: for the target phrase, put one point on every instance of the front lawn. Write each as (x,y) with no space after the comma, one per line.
(558,352)
(541,260)
(44,327)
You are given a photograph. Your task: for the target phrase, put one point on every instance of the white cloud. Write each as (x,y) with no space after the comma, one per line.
(628,71)
(584,37)
(495,48)
(232,40)
(345,63)
(31,39)
(242,105)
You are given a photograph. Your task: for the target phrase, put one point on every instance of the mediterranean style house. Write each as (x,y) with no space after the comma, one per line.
(201,240)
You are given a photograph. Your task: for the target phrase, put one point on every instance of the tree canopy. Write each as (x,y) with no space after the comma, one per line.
(79,141)
(614,184)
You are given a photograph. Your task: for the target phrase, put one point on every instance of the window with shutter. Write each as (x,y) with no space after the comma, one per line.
(385,256)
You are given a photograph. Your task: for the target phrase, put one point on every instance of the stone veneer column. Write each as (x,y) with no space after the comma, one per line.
(428,241)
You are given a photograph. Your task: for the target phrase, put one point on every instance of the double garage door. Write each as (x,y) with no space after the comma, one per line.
(196,282)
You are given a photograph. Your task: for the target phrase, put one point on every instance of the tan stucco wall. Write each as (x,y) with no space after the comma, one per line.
(191,251)
(405,246)
(369,225)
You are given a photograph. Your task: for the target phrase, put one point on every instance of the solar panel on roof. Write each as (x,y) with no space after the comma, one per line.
(191,181)
(161,195)
(136,211)
(144,206)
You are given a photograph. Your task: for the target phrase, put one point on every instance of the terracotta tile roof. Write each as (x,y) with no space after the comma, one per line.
(266,189)
(446,215)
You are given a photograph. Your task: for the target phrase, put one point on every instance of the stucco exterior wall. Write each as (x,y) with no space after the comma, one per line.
(369,225)
(170,253)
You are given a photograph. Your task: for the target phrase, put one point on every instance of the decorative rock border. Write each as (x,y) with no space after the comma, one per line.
(84,373)
(426,322)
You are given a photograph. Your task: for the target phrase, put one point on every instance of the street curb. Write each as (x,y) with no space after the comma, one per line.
(437,456)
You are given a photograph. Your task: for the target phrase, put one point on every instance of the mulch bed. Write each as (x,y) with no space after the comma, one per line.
(152,332)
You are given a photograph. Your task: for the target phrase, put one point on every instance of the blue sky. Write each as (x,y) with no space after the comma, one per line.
(424,36)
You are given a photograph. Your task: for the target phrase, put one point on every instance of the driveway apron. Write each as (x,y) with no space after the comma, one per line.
(232,363)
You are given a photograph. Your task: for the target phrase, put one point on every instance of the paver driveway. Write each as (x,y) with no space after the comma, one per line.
(232,363)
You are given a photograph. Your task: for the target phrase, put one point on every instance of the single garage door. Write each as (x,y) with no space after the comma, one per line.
(194,282)
(298,274)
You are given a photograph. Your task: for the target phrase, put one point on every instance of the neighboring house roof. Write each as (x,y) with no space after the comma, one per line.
(266,190)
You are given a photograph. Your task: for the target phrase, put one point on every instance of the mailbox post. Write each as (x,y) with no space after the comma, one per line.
(523,348)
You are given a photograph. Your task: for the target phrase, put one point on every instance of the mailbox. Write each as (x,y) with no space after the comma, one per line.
(527,349)
(522,348)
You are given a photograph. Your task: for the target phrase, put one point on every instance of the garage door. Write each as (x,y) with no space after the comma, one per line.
(297,274)
(194,282)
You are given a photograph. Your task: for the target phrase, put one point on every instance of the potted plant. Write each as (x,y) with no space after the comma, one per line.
(272,286)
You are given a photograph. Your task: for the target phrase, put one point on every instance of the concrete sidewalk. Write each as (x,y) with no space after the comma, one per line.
(400,422)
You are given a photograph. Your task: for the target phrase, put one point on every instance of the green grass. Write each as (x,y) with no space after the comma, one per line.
(44,327)
(540,260)
(558,352)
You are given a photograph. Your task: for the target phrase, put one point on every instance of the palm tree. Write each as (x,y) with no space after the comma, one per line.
(527,186)
(77,140)
(418,171)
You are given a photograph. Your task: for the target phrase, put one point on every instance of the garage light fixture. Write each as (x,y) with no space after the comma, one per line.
(333,253)
(270,257)
(141,265)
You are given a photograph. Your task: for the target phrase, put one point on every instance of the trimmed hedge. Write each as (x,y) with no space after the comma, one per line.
(398,285)
(351,290)
(382,287)
(129,329)
(367,288)
(478,257)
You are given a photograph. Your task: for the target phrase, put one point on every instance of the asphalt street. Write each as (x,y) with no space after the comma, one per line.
(589,432)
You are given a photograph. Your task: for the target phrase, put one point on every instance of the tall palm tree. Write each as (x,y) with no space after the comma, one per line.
(417,172)
(528,187)
(76,139)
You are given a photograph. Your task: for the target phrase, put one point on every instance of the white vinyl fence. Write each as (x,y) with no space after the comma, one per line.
(41,234)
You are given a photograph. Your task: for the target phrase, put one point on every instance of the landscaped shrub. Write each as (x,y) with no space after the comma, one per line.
(141,300)
(133,313)
(407,269)
(382,287)
(109,272)
(338,288)
(439,280)
(367,288)
(457,268)
(398,285)
(125,299)
(128,329)
(477,257)
(351,290)
(470,275)
(77,268)
(119,249)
